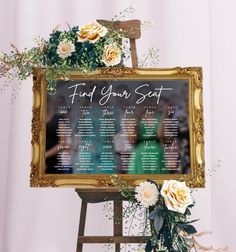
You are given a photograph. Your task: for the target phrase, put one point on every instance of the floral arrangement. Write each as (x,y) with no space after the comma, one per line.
(85,48)
(168,209)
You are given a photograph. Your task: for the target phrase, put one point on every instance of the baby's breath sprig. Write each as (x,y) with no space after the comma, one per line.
(124,14)
(147,24)
(149,59)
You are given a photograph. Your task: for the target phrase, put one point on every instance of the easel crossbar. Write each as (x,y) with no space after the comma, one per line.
(113,239)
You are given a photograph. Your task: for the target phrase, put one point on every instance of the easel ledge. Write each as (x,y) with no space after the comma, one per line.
(96,195)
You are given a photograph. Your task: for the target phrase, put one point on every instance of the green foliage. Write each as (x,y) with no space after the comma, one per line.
(126,191)
(86,57)
(172,227)
(170,231)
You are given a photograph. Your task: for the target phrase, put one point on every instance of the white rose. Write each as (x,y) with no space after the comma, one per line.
(112,55)
(177,195)
(147,194)
(91,32)
(65,49)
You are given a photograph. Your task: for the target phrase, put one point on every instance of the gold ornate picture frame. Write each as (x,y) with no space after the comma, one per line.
(192,75)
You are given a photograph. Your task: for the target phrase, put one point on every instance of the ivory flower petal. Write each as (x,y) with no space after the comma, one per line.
(177,195)
(65,49)
(91,32)
(112,55)
(147,194)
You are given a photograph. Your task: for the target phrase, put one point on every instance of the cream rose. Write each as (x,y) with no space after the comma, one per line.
(177,195)
(147,194)
(65,49)
(112,55)
(91,32)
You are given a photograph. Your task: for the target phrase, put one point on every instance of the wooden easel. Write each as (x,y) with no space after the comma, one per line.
(130,29)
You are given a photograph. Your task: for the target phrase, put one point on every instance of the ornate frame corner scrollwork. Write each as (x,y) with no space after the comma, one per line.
(196,178)
(37,128)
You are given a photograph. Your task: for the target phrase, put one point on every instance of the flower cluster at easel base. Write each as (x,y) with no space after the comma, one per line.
(169,213)
(85,48)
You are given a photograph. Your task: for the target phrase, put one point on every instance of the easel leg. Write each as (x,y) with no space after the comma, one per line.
(118,225)
(81,225)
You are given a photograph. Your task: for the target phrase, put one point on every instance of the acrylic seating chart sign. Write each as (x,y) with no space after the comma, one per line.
(138,123)
(101,118)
